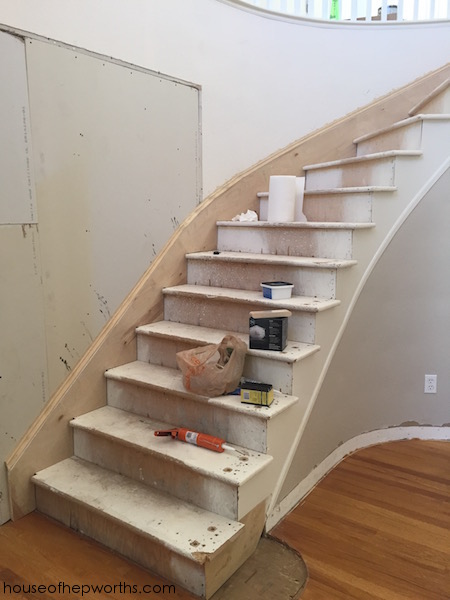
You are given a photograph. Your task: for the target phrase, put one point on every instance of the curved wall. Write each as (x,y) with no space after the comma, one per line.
(398,331)
(265,82)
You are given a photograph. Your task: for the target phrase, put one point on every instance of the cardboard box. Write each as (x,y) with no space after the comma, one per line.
(268,329)
(253,392)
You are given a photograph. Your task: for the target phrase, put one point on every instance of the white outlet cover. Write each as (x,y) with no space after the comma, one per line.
(430,386)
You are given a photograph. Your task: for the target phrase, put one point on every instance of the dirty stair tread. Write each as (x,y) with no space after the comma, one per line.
(297,224)
(234,468)
(254,299)
(273,259)
(198,336)
(167,379)
(365,158)
(341,190)
(151,513)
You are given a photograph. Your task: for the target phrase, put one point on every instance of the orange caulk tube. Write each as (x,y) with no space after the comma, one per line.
(198,439)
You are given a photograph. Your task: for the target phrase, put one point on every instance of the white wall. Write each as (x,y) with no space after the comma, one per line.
(265,82)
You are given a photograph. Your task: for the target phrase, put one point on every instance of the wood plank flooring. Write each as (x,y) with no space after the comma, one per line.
(378,526)
(37,551)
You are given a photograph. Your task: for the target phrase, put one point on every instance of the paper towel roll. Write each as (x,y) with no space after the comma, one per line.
(281,207)
(299,194)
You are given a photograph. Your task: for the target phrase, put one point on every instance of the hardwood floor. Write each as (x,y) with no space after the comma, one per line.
(378,526)
(36,551)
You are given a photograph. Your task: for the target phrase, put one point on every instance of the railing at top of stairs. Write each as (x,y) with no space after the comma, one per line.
(354,11)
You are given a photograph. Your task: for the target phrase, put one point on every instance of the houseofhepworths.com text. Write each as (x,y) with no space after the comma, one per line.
(85,589)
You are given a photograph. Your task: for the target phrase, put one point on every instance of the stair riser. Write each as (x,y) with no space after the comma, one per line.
(234,316)
(408,137)
(145,551)
(345,208)
(288,241)
(247,276)
(162,351)
(380,172)
(170,476)
(237,428)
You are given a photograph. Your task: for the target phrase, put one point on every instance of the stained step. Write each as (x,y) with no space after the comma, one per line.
(227,483)
(158,393)
(346,205)
(173,538)
(205,306)
(245,270)
(377,169)
(403,135)
(158,343)
(310,239)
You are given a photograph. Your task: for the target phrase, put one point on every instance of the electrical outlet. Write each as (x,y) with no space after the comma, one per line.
(430,384)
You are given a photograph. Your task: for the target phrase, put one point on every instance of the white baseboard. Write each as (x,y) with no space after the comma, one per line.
(364,440)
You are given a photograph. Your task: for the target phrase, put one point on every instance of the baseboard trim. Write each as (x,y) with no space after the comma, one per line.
(359,442)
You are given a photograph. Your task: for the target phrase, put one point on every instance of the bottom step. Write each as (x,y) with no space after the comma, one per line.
(195,548)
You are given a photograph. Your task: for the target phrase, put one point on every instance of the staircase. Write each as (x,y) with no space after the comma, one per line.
(192,515)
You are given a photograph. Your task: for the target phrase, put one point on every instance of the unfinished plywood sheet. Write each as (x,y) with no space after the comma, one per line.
(17,197)
(117,170)
(23,376)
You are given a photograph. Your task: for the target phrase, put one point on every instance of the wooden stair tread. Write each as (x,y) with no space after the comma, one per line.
(343,190)
(198,335)
(273,259)
(361,159)
(254,299)
(164,378)
(186,529)
(296,224)
(124,427)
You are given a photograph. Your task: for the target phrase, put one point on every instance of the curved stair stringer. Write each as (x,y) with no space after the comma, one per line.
(49,438)
(368,249)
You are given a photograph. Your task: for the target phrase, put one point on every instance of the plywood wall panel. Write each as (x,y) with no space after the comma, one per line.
(117,170)
(17,196)
(23,374)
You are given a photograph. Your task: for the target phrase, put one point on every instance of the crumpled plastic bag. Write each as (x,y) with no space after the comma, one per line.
(214,369)
(250,215)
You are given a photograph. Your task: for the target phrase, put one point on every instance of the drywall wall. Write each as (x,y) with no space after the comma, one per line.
(117,169)
(23,364)
(265,82)
(17,194)
(23,373)
(398,332)
(113,168)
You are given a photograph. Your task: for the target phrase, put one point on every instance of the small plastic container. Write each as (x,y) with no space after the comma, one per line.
(277,290)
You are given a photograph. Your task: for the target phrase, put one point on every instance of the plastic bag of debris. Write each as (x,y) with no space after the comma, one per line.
(214,369)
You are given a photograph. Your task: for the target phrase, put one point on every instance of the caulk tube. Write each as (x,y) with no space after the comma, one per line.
(200,439)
